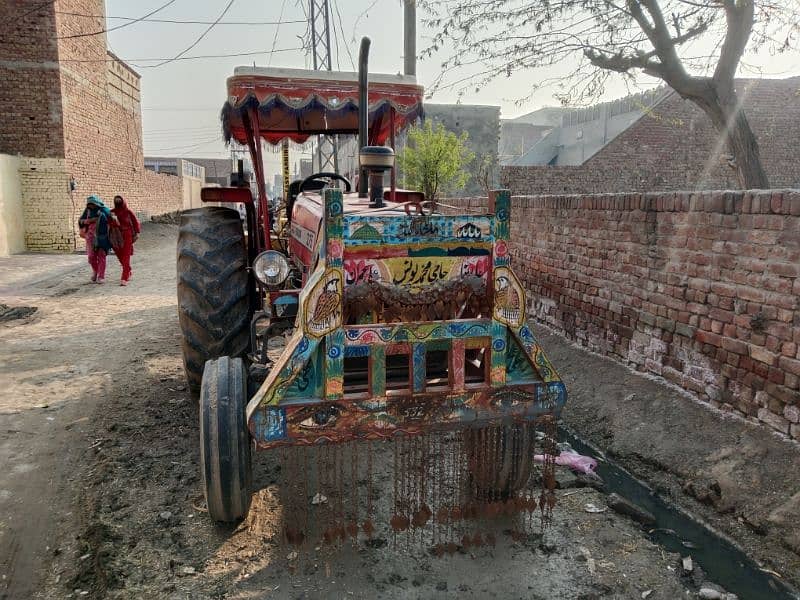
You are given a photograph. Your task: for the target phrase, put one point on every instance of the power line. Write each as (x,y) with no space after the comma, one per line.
(198,40)
(277,29)
(344,37)
(128,24)
(185,148)
(184,22)
(133,61)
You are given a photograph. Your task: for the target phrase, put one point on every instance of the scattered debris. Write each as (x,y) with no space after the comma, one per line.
(687,564)
(590,564)
(591,507)
(319,499)
(646,593)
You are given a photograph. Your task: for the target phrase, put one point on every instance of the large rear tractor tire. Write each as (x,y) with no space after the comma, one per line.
(213,294)
(225,439)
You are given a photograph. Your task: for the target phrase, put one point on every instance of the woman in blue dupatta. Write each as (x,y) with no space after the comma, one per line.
(95,222)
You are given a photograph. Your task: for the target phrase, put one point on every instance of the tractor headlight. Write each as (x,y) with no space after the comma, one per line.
(271,268)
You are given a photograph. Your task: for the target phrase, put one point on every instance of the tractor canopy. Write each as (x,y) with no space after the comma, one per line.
(295,104)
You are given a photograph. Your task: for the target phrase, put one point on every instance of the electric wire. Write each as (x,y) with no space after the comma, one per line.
(134,61)
(198,40)
(344,37)
(275,38)
(183,21)
(107,29)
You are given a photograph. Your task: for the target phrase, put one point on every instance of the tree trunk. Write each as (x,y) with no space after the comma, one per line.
(743,145)
(723,107)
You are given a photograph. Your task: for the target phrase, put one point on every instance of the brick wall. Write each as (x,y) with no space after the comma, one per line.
(30,97)
(71,101)
(47,204)
(164,195)
(674,147)
(102,115)
(702,289)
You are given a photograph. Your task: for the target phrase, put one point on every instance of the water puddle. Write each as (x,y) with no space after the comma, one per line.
(676,531)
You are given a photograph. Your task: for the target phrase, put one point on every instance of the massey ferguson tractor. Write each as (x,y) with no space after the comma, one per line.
(405,325)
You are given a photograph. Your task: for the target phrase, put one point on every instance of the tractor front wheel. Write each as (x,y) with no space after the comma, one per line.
(225,439)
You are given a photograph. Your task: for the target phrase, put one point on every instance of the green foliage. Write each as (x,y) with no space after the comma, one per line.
(435,160)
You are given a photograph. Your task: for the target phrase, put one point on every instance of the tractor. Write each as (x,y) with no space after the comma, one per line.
(402,320)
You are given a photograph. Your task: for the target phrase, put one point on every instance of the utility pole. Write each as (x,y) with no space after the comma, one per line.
(319,15)
(410,37)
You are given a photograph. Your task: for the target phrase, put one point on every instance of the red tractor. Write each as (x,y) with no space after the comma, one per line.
(405,320)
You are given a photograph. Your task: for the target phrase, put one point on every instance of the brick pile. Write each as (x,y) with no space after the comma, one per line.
(674,147)
(702,289)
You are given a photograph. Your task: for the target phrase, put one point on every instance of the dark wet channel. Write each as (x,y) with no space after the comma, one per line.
(676,531)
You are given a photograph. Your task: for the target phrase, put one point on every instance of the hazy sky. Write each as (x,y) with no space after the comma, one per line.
(181,100)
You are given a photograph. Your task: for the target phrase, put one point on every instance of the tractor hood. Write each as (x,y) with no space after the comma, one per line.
(297,103)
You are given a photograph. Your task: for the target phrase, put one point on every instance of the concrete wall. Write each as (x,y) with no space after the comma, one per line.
(12,221)
(702,289)
(193,179)
(482,123)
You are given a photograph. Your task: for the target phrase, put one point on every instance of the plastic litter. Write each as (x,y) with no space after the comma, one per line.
(577,462)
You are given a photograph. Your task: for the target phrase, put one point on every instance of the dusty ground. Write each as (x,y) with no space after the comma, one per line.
(100,492)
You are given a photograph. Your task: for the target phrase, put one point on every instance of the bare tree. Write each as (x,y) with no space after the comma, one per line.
(695,46)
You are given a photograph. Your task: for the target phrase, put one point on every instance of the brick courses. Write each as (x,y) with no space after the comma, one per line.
(702,289)
(72,102)
(673,148)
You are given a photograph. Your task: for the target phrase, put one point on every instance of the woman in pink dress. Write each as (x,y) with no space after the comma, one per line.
(94,223)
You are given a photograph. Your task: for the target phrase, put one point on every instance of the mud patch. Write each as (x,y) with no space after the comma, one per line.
(14,313)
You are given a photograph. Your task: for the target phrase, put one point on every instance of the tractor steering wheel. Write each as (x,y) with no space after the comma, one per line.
(347,186)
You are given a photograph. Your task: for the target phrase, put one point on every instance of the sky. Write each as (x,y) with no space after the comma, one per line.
(181,100)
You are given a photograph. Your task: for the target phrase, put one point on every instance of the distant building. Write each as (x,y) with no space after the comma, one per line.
(192,177)
(218,170)
(519,135)
(658,141)
(482,124)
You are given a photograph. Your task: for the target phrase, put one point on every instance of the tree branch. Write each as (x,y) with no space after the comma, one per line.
(739,16)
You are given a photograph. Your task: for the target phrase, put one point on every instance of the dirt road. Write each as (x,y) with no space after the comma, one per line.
(100,496)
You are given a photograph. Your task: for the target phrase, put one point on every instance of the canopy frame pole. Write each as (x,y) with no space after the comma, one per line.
(392,140)
(258,166)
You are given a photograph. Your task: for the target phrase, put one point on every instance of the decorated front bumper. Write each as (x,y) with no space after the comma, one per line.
(304,400)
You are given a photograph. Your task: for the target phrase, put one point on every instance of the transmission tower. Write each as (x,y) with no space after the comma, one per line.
(319,15)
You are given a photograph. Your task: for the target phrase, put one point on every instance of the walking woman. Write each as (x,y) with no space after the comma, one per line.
(128,225)
(94,224)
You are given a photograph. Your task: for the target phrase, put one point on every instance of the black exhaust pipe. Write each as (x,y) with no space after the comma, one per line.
(363,110)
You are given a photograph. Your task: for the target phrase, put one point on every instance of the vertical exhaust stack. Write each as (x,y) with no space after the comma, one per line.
(363,109)
(410,37)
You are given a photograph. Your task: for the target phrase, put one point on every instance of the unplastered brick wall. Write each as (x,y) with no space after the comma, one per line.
(48,207)
(701,289)
(674,147)
(30,97)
